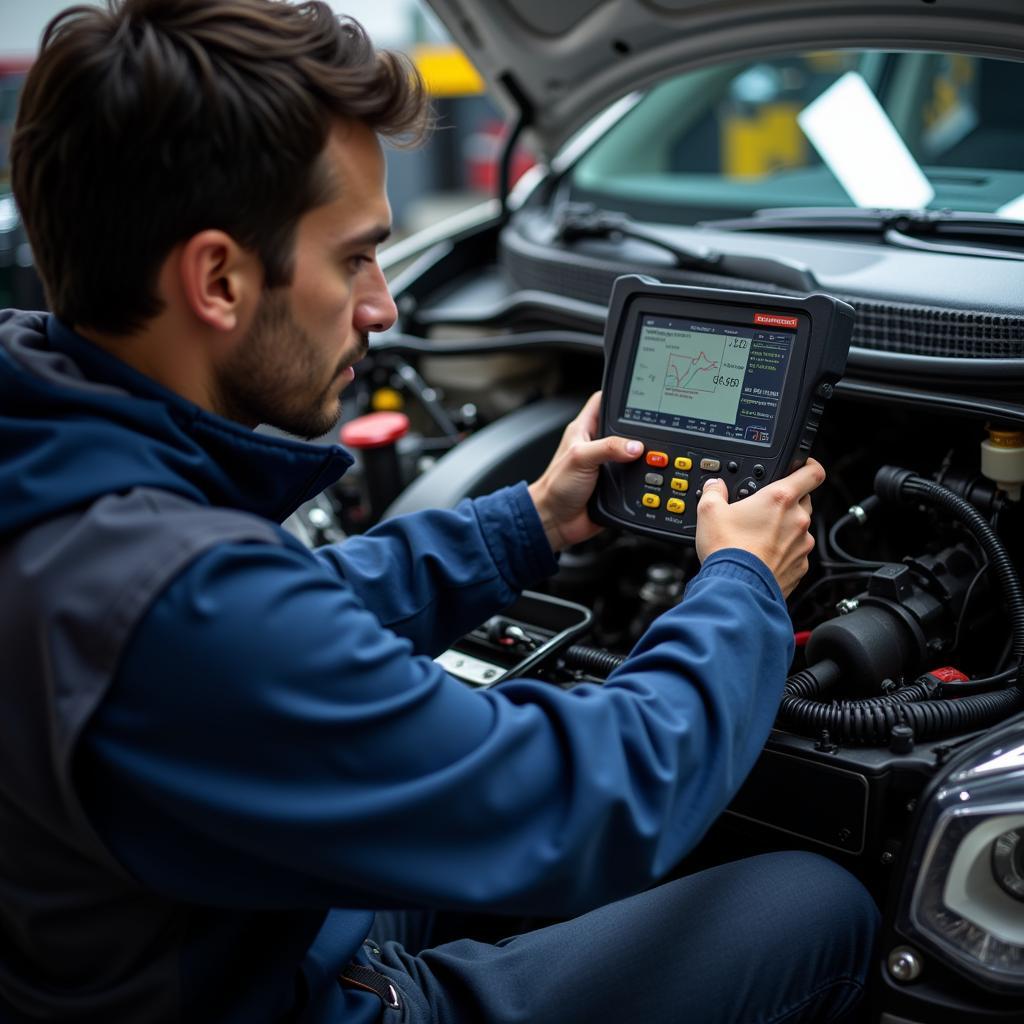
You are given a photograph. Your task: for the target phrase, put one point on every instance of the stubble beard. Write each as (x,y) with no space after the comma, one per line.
(276,376)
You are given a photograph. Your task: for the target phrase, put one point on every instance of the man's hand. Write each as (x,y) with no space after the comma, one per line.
(562,492)
(772,524)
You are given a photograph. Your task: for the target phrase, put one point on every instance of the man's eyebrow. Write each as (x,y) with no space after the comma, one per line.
(374,236)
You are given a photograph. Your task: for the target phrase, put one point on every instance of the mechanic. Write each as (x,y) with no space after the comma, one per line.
(222,754)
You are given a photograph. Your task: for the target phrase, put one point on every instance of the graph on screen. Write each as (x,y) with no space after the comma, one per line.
(692,374)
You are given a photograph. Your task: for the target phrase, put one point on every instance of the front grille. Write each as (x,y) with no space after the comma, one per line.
(933,331)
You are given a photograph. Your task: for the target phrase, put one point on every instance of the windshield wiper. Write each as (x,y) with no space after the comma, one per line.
(907,229)
(581,220)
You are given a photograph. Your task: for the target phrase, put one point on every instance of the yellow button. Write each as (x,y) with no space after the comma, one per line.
(683,463)
(675,505)
(651,500)
(680,485)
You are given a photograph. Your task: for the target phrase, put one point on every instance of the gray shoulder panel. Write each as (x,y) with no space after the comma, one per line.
(75,588)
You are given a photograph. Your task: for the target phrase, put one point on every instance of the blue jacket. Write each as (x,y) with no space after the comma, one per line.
(272,754)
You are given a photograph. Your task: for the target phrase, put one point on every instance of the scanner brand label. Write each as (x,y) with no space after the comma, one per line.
(776,320)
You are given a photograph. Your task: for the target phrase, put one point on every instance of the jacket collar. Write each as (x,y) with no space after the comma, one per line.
(261,473)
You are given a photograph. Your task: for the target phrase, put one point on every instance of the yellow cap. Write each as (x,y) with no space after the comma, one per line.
(387,400)
(1006,438)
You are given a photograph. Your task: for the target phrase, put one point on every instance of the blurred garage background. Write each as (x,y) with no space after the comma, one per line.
(454,171)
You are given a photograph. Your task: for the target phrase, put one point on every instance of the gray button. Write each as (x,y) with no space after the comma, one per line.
(654,479)
(711,465)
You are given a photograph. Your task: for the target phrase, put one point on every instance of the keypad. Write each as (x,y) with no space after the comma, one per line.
(669,499)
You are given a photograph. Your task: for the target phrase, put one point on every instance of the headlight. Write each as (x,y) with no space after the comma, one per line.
(965,899)
(1008,862)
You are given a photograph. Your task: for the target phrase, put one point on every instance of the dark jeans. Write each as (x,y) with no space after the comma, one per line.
(783,937)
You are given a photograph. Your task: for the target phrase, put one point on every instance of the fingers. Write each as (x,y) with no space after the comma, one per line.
(588,455)
(714,490)
(586,421)
(809,477)
(592,407)
(791,489)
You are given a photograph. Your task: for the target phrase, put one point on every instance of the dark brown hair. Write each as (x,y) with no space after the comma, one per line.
(146,122)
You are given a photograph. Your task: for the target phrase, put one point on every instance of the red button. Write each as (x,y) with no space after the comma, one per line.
(375,430)
(657,459)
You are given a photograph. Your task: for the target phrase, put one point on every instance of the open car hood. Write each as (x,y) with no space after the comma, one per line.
(557,63)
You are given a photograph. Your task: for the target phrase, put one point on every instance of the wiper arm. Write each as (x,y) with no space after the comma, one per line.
(581,220)
(903,228)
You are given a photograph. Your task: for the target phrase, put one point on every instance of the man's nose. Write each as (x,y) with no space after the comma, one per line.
(375,309)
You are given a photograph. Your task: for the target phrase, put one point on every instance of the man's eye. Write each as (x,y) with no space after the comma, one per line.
(359,260)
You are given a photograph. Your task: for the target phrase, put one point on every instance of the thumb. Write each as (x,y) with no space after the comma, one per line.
(590,454)
(714,491)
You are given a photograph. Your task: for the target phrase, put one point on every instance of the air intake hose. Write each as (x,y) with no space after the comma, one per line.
(871,721)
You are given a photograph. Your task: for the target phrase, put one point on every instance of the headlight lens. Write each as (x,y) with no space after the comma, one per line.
(1008,862)
(961,900)
(964,894)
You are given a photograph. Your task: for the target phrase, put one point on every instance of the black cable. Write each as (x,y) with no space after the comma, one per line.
(980,685)
(853,574)
(865,508)
(967,600)
(903,485)
(821,547)
(871,721)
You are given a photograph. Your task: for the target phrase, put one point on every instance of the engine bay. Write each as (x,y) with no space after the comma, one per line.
(909,626)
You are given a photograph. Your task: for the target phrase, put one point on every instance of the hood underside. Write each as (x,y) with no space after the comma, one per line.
(556,65)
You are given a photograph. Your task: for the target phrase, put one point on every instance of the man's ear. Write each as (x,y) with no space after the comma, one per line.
(221,282)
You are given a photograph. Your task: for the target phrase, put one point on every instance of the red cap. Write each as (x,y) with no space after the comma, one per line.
(374,430)
(948,674)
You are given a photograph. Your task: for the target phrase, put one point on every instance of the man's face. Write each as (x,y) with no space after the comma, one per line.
(297,357)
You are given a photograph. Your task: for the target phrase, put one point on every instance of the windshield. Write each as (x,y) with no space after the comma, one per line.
(727,140)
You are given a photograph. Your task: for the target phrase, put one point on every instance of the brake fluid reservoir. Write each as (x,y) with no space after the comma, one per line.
(1002,460)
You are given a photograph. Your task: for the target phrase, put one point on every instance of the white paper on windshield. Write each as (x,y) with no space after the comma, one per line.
(1013,210)
(848,127)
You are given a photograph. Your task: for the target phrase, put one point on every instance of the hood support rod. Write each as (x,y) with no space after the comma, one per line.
(524,120)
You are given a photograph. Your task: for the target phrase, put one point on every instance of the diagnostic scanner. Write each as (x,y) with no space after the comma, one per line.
(715,383)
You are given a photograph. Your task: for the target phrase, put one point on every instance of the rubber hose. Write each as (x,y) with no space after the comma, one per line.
(592,659)
(999,560)
(870,721)
(908,695)
(814,680)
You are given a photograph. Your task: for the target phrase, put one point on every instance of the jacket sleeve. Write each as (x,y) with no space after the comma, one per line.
(265,730)
(435,575)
